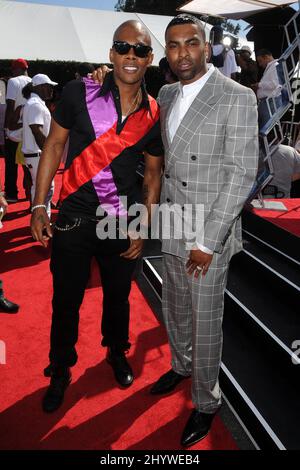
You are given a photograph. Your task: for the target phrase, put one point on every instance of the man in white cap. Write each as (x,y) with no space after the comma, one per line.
(36,126)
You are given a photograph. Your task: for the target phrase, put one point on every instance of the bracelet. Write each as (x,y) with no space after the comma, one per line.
(37,206)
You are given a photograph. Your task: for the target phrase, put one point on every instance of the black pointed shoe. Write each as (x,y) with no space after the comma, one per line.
(48,371)
(54,395)
(196,428)
(7,306)
(122,370)
(167,382)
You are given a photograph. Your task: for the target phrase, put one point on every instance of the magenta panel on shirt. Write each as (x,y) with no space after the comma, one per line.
(104,120)
(107,193)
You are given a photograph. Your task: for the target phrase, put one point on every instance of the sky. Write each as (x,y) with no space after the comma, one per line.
(98,4)
(109,5)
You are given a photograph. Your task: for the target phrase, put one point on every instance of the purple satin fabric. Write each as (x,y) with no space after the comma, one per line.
(107,193)
(101,109)
(103,116)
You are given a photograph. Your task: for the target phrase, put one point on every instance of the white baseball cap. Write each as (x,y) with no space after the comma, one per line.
(246,49)
(42,79)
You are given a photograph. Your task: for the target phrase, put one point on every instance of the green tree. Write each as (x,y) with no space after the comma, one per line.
(157,7)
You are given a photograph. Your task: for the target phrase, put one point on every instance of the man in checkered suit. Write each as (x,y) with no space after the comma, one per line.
(209,129)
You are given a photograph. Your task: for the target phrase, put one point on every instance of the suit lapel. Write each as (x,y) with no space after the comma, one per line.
(174,92)
(205,101)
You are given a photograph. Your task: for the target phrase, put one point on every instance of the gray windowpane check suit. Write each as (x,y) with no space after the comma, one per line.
(212,161)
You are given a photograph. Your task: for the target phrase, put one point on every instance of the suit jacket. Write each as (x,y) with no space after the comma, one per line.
(212,161)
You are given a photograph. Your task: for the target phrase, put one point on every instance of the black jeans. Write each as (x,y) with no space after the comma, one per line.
(11,169)
(72,252)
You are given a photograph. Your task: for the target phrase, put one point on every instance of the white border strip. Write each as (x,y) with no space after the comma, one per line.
(272,270)
(253,408)
(152,268)
(149,282)
(271,246)
(296,359)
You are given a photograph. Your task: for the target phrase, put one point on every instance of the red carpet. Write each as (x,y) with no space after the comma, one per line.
(96,413)
(288,220)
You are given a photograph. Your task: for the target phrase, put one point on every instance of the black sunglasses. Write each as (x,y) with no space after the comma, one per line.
(123,47)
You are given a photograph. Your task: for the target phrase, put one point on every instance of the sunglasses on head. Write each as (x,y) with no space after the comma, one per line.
(123,47)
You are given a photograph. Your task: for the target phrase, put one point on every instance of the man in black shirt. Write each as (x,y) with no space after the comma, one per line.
(108,126)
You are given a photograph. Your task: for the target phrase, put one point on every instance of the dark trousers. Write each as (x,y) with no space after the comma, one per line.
(72,252)
(11,169)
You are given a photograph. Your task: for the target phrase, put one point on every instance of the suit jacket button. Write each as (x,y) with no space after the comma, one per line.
(168,200)
(167,176)
(184,183)
(193,157)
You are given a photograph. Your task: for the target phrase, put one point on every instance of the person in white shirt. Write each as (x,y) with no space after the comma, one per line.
(36,126)
(13,126)
(268,86)
(286,168)
(222,57)
(6,306)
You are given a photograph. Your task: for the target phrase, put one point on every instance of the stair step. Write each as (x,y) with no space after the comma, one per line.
(272,388)
(265,298)
(272,236)
(273,261)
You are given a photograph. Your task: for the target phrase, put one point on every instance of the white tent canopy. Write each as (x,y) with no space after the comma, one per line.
(59,33)
(235,9)
(51,32)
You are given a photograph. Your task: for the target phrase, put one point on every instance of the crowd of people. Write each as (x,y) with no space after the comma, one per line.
(201,148)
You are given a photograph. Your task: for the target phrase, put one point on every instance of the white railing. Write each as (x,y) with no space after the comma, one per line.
(273,131)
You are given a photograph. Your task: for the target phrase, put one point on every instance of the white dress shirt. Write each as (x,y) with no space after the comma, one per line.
(269,83)
(184,100)
(230,65)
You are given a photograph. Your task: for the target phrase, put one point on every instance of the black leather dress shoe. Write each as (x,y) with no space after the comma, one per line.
(54,395)
(167,382)
(196,428)
(122,370)
(7,306)
(48,371)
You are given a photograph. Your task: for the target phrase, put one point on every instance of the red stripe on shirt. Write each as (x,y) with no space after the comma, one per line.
(102,151)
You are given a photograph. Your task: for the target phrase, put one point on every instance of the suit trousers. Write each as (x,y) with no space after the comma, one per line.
(193,315)
(32,164)
(11,169)
(72,252)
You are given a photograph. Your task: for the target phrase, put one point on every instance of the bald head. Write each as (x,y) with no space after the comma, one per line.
(133,25)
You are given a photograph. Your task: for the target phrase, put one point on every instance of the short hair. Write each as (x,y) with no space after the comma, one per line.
(216,33)
(185,18)
(263,52)
(217,29)
(164,65)
(85,68)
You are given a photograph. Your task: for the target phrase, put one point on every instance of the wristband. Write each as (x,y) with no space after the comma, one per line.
(37,206)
